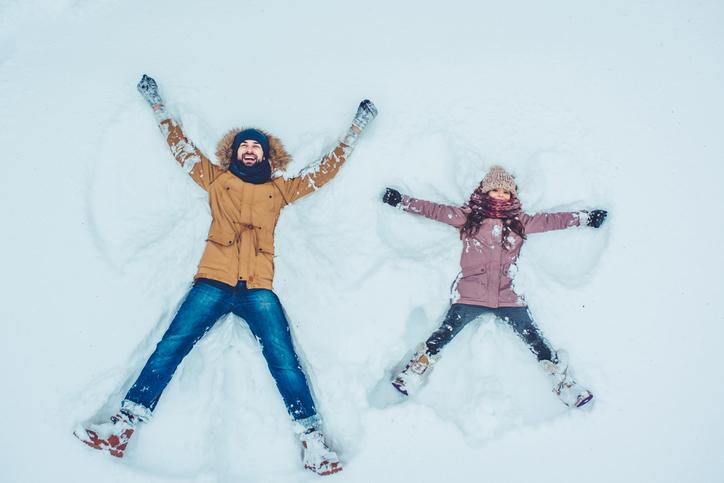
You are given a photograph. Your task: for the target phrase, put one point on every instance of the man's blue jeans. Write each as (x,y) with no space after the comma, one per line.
(206,302)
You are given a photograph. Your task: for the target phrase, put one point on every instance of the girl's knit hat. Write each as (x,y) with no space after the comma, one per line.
(498,179)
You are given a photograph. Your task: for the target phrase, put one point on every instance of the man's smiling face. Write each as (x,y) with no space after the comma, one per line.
(250,152)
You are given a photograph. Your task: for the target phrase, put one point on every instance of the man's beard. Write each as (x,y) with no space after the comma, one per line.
(245,159)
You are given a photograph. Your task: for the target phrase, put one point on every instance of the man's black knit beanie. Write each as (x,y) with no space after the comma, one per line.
(254,135)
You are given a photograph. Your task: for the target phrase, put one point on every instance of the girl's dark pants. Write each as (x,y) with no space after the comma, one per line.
(518,318)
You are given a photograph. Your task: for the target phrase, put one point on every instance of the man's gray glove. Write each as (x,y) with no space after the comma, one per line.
(365,113)
(149,90)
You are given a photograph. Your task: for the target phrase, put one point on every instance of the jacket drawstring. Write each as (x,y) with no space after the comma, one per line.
(253,228)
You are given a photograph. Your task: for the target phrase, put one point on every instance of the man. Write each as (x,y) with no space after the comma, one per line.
(235,273)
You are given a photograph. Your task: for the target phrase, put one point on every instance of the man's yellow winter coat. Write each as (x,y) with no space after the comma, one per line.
(240,244)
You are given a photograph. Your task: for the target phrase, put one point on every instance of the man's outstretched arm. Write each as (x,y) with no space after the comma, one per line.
(186,153)
(299,186)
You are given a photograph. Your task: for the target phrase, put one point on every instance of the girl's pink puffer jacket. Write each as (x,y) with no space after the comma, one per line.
(486,276)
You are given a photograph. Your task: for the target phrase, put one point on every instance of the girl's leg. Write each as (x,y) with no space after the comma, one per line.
(520,320)
(416,370)
(568,390)
(203,306)
(457,317)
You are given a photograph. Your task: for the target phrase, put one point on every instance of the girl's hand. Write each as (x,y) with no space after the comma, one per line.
(392,197)
(596,218)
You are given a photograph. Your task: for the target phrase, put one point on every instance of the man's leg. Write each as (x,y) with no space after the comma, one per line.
(203,306)
(264,313)
(520,320)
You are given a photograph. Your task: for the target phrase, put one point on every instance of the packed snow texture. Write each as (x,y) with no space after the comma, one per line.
(614,105)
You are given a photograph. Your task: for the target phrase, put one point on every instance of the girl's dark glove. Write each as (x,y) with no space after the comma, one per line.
(392,197)
(596,217)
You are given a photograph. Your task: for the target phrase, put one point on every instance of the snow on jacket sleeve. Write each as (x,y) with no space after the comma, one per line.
(188,155)
(447,214)
(541,222)
(317,176)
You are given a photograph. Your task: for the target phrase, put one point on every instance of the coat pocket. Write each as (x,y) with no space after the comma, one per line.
(221,237)
(220,253)
(472,287)
(473,283)
(475,270)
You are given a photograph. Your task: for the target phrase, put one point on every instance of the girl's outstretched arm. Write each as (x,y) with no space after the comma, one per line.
(450,215)
(541,222)
(186,153)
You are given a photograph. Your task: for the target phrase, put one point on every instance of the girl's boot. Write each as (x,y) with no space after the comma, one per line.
(409,380)
(568,390)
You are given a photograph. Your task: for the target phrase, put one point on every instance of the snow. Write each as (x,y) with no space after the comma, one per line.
(614,105)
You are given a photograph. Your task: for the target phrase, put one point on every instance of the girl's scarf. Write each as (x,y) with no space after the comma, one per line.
(491,208)
(483,206)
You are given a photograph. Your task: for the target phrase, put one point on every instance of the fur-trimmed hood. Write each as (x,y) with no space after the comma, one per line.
(278,156)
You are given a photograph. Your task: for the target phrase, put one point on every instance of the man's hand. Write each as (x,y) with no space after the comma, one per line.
(149,90)
(596,218)
(392,197)
(365,113)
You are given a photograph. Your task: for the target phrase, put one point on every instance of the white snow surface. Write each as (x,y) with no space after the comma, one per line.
(615,105)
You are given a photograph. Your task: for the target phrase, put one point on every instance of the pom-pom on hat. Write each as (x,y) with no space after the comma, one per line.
(498,179)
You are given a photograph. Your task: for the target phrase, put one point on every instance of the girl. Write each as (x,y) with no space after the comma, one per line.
(492,229)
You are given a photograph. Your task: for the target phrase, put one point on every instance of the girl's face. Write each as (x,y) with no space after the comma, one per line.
(500,195)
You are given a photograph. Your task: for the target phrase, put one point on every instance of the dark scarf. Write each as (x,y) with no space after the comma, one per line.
(483,206)
(258,173)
